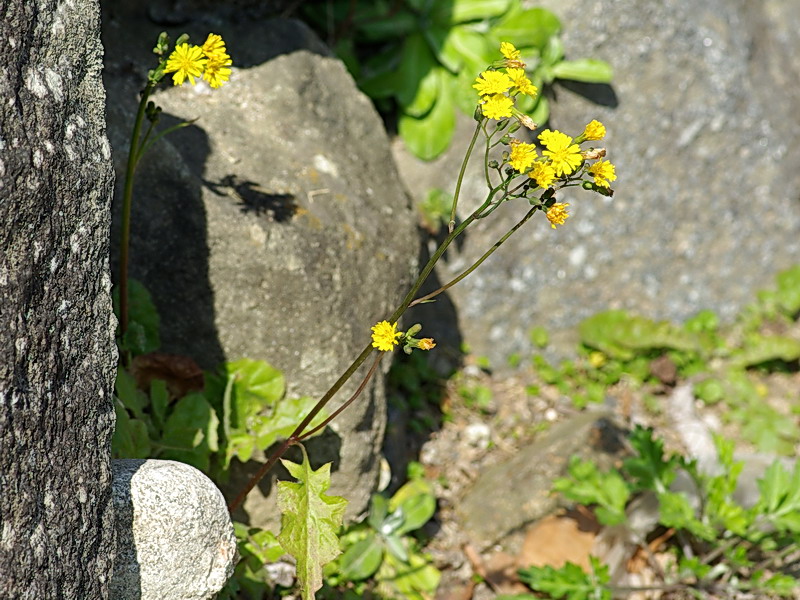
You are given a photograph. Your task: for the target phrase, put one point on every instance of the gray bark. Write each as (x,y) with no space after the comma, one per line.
(57,353)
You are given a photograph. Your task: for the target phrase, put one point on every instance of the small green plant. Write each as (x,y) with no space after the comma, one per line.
(418,57)
(382,549)
(720,549)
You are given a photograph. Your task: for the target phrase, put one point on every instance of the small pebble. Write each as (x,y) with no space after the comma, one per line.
(478,435)
(551,414)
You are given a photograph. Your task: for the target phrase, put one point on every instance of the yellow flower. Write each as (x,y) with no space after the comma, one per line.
(492,82)
(217,71)
(557,214)
(603,172)
(384,336)
(497,106)
(508,50)
(597,359)
(522,156)
(426,344)
(186,61)
(543,173)
(521,82)
(594,131)
(564,155)
(214,47)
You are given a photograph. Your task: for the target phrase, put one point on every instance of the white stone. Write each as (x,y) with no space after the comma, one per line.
(175,539)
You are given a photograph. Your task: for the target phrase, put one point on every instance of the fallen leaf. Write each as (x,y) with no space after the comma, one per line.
(181,374)
(558,539)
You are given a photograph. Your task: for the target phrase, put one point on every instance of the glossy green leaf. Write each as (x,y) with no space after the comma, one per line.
(426,94)
(190,433)
(257,386)
(429,136)
(416,62)
(361,559)
(464,48)
(451,12)
(282,421)
(588,70)
(530,28)
(130,438)
(310,519)
(417,502)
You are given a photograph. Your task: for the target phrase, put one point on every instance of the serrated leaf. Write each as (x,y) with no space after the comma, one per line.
(361,559)
(587,485)
(568,582)
(650,469)
(780,496)
(309,521)
(529,28)
(190,433)
(588,70)
(429,136)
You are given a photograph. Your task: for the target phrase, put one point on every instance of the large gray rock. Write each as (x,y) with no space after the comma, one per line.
(275,228)
(701,122)
(57,353)
(175,539)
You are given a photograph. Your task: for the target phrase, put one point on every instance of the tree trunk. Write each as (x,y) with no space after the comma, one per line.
(57,353)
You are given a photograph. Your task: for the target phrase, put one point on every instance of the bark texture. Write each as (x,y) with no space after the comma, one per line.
(57,353)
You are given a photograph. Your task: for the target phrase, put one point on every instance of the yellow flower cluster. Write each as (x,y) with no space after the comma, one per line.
(210,61)
(499,89)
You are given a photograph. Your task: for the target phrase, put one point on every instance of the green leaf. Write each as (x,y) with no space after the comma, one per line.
(283,421)
(553,52)
(159,399)
(429,136)
(378,509)
(309,521)
(462,11)
(415,579)
(788,295)
(261,544)
(190,433)
(588,70)
(531,28)
(143,320)
(361,559)
(257,385)
(396,547)
(426,94)
(417,502)
(650,469)
(463,48)
(377,22)
(587,485)
(780,497)
(416,61)
(132,398)
(568,582)
(130,438)
(764,348)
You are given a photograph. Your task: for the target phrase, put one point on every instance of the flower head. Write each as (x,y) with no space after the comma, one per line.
(426,344)
(214,47)
(497,106)
(492,82)
(521,82)
(522,156)
(564,155)
(594,131)
(603,172)
(217,70)
(384,336)
(557,214)
(185,61)
(543,173)
(508,50)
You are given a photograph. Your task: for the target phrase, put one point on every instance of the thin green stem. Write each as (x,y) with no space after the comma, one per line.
(298,431)
(467,156)
(127,196)
(486,255)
